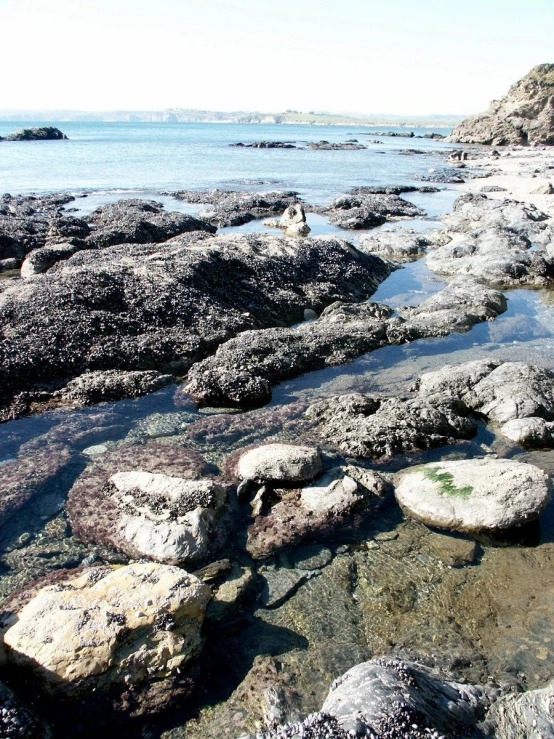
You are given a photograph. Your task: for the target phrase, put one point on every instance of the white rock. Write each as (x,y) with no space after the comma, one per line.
(280,462)
(529,431)
(110,624)
(334,491)
(475,494)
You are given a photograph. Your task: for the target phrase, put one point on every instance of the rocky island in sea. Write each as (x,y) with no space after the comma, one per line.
(247,492)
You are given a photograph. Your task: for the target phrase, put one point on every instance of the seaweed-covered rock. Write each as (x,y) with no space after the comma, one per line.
(163,307)
(153,501)
(105,627)
(473,495)
(361,210)
(367,426)
(524,116)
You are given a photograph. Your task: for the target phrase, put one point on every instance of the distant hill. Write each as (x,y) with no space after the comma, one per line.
(185,115)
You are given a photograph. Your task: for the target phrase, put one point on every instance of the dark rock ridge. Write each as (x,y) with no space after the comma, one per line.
(243,370)
(524,116)
(43,133)
(17,721)
(164,307)
(236,207)
(266,145)
(38,225)
(345,146)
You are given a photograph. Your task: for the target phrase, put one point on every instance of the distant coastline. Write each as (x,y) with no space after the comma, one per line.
(183,115)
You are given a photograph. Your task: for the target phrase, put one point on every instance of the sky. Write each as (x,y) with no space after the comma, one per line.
(361,56)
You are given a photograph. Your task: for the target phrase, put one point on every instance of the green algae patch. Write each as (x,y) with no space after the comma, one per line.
(446,483)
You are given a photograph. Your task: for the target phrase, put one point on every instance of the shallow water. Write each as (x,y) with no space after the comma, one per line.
(492,620)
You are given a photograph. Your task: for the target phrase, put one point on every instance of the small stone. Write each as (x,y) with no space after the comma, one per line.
(280,462)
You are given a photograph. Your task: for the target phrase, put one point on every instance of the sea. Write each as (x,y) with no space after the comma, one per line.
(402,597)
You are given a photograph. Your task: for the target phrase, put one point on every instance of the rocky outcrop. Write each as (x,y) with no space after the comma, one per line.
(236,207)
(150,501)
(524,116)
(399,245)
(365,210)
(528,715)
(39,133)
(133,307)
(112,385)
(17,721)
(40,260)
(353,145)
(266,145)
(474,495)
(243,370)
(389,697)
(366,426)
(109,629)
(475,212)
(516,396)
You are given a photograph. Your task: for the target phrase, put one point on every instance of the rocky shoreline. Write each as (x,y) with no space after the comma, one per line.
(228,592)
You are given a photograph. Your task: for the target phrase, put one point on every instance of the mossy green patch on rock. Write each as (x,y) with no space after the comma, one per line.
(446,482)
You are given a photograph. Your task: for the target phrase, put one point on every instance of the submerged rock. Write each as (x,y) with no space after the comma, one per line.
(105,627)
(150,501)
(474,495)
(524,116)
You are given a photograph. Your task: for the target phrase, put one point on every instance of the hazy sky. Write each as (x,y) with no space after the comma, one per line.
(367,56)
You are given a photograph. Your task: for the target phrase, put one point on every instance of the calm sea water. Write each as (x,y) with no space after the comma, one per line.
(146,158)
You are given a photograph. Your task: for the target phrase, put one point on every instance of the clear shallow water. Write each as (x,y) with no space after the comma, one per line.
(390,596)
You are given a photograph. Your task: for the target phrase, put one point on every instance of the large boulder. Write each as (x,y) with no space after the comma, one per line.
(293,220)
(125,626)
(474,495)
(524,116)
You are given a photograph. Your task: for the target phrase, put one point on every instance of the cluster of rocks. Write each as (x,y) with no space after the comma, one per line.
(236,207)
(491,240)
(243,369)
(39,133)
(351,145)
(136,307)
(267,145)
(524,116)
(363,208)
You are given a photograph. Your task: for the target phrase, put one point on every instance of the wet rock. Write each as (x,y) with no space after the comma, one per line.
(17,721)
(112,385)
(386,696)
(523,116)
(495,255)
(40,260)
(361,210)
(280,463)
(39,133)
(395,245)
(293,220)
(452,551)
(236,207)
(501,391)
(318,514)
(530,432)
(164,307)
(107,627)
(371,427)
(474,495)
(524,716)
(232,595)
(443,176)
(149,501)
(139,222)
(267,145)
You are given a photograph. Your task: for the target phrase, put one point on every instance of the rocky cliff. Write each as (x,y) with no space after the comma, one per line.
(524,116)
